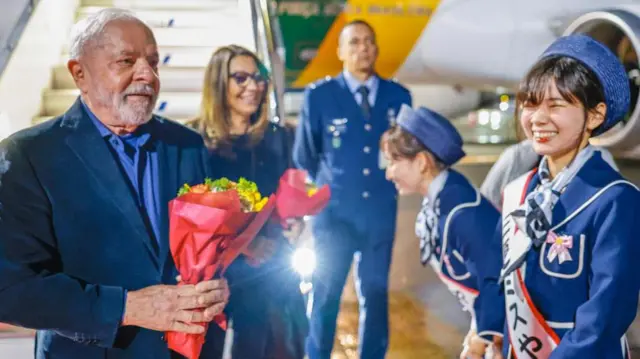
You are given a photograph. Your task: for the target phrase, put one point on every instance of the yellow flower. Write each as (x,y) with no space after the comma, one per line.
(258,206)
(311,189)
(250,198)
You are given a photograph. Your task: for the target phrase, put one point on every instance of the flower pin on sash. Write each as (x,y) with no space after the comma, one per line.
(560,246)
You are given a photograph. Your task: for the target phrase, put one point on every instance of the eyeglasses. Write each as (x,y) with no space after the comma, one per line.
(242,78)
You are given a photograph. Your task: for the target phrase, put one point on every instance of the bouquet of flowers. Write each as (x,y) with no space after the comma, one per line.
(211,224)
(296,198)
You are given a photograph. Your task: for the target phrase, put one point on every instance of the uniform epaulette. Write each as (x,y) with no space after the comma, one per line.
(319,82)
(400,84)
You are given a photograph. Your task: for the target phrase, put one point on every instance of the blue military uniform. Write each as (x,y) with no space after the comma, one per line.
(337,142)
(456,226)
(570,243)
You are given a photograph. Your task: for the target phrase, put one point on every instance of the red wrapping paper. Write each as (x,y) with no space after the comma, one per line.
(292,200)
(207,231)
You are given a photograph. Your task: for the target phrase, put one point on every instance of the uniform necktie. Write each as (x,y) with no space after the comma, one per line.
(364,104)
(427,229)
(539,204)
(535,215)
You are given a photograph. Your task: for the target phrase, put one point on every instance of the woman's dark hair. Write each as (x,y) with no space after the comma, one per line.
(575,82)
(402,144)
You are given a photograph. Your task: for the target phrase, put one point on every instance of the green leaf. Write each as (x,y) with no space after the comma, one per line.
(246,185)
(221,184)
(184,189)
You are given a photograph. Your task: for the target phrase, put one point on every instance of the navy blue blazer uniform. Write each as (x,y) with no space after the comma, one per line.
(72,238)
(339,146)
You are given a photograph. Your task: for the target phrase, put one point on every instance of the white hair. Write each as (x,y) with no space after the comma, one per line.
(91,28)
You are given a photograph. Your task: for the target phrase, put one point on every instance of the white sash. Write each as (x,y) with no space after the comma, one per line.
(465,295)
(529,334)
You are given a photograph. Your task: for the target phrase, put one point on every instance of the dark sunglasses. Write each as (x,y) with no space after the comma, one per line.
(242,78)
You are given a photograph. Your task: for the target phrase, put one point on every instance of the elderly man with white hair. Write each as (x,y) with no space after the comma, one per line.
(84,250)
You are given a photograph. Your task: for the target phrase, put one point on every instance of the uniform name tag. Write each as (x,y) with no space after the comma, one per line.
(339,124)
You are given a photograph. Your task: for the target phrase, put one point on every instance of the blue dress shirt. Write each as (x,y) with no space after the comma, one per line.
(138,160)
(354,84)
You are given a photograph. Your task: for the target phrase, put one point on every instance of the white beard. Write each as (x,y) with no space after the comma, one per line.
(128,114)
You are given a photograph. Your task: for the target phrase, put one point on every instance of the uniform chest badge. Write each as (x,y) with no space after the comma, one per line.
(337,128)
(560,246)
(391,117)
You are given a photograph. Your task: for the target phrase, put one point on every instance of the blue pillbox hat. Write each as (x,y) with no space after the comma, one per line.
(606,66)
(435,132)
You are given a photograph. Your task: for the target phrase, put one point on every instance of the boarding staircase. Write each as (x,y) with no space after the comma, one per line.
(187,33)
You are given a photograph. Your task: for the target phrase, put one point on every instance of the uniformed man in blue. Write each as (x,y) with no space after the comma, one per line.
(570,236)
(456,225)
(336,141)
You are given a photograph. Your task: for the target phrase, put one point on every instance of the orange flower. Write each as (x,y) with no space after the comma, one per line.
(200,188)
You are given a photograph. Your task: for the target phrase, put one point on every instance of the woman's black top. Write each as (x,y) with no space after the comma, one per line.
(263,164)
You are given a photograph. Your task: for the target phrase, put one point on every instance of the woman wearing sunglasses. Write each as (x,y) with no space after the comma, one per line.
(243,143)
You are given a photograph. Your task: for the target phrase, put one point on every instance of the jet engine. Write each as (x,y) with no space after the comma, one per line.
(618,29)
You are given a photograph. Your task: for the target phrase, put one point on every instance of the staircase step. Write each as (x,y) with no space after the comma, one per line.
(162,4)
(175,18)
(208,37)
(170,104)
(178,56)
(172,78)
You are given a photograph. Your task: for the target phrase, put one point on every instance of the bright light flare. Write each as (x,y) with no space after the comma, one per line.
(304,261)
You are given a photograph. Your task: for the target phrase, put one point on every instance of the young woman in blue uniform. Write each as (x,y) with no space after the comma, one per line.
(456,225)
(569,237)
(266,305)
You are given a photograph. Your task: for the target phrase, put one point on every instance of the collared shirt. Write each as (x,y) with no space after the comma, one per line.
(138,161)
(435,187)
(371,83)
(515,161)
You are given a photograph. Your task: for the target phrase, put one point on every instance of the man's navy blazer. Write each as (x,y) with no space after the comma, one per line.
(72,239)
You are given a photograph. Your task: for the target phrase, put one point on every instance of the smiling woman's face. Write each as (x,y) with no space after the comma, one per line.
(246,86)
(555,125)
